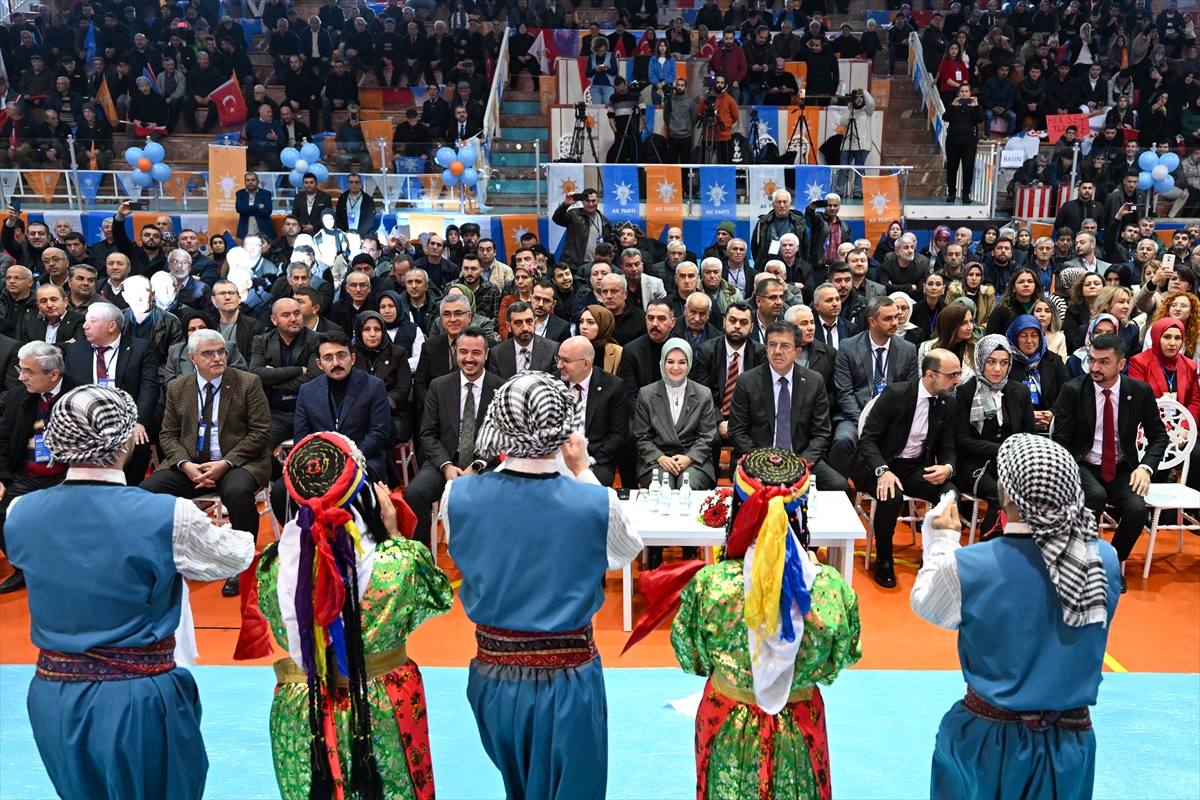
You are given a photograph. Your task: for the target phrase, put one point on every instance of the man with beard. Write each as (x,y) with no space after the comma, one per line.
(999,265)
(147,258)
(523,350)
(722,360)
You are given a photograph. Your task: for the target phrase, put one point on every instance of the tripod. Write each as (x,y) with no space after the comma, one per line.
(710,123)
(628,133)
(756,148)
(582,129)
(801,140)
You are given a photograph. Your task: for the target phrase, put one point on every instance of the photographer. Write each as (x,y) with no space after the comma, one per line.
(680,111)
(856,142)
(586,227)
(625,119)
(722,112)
(962,119)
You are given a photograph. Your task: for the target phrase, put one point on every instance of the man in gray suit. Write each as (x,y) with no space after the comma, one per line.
(523,350)
(642,288)
(865,365)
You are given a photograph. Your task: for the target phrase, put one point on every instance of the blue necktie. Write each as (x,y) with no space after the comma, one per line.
(783,417)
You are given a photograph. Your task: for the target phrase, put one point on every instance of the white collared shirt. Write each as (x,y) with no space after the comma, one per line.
(110,360)
(875,348)
(1095,455)
(52,332)
(919,430)
(540,330)
(585,385)
(776,380)
(831,336)
(476,389)
(729,353)
(214,444)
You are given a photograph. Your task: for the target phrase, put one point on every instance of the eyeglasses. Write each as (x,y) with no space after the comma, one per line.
(456,314)
(568,361)
(333,358)
(780,345)
(180,261)
(225,294)
(209,355)
(954,375)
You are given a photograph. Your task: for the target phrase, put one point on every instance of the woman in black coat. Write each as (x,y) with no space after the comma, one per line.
(1041,370)
(925,311)
(375,353)
(963,118)
(991,407)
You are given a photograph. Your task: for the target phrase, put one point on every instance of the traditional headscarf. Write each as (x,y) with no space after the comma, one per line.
(531,415)
(467,292)
(1042,479)
(395,297)
(1033,363)
(1156,332)
(1084,353)
(986,401)
(1067,280)
(605,323)
(674,343)
(940,232)
(908,324)
(90,425)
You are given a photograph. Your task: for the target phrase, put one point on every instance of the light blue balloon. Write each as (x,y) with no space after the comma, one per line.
(155,152)
(142,179)
(469,177)
(1165,185)
(1148,160)
(449,178)
(133,155)
(320,172)
(467,154)
(310,152)
(289,157)
(445,157)
(160,172)
(1170,161)
(296,178)
(1145,181)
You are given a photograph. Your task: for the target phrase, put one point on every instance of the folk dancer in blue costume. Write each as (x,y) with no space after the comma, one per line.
(111,714)
(531,584)
(1032,610)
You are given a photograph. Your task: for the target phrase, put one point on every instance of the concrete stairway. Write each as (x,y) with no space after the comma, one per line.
(909,140)
(513,173)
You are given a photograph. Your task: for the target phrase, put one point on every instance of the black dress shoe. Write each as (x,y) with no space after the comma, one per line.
(885,573)
(232,587)
(1124,587)
(13,582)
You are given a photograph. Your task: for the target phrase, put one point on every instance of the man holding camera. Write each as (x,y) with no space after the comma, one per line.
(680,110)
(856,142)
(625,119)
(720,111)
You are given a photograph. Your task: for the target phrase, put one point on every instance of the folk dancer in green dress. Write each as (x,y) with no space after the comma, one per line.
(342,592)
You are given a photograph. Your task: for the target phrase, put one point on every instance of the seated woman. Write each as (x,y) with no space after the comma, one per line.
(972,288)
(1185,307)
(1035,365)
(1077,364)
(955,327)
(1118,301)
(377,355)
(1023,290)
(905,329)
(1043,310)
(520,59)
(596,324)
(925,312)
(991,407)
(399,329)
(1165,366)
(1079,312)
(523,278)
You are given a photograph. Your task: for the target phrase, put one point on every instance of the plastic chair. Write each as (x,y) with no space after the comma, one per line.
(405,460)
(211,503)
(1181,431)
(912,518)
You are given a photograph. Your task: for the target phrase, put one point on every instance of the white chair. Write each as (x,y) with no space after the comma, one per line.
(405,460)
(211,503)
(912,518)
(434,516)
(1181,433)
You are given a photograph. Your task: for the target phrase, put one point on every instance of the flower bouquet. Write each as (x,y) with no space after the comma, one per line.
(714,511)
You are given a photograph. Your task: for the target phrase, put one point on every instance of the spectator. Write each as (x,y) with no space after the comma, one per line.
(662,71)
(729,61)
(586,226)
(856,142)
(1030,98)
(316,47)
(283,45)
(962,136)
(898,34)
(823,77)
(600,70)
(760,59)
(780,87)
(264,141)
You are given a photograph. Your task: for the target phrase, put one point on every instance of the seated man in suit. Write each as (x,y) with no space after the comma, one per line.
(25,464)
(605,419)
(907,448)
(110,357)
(524,349)
(768,300)
(640,357)
(1101,431)
(437,353)
(781,404)
(813,354)
(454,409)
(284,360)
(693,324)
(866,363)
(832,328)
(722,360)
(214,436)
(52,322)
(547,324)
(352,402)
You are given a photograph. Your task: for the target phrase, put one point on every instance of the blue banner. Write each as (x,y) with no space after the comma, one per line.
(89,43)
(648,129)
(812,183)
(768,125)
(718,192)
(622,200)
(89,183)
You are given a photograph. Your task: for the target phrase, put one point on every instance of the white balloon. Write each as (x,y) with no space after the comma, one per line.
(1160,172)
(301,166)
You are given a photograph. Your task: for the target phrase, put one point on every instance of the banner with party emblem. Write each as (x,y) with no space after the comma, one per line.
(10,182)
(812,183)
(514,226)
(718,192)
(226,168)
(89,185)
(622,202)
(881,204)
(176,185)
(664,199)
(562,181)
(44,183)
(762,184)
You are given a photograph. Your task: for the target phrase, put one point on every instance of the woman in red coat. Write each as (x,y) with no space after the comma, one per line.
(1164,366)
(952,73)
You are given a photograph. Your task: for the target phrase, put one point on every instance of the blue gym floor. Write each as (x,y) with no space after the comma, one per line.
(881,732)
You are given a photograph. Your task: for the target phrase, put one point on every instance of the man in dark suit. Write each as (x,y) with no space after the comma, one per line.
(640,358)
(722,360)
(523,350)
(1096,418)
(24,461)
(781,404)
(214,437)
(865,364)
(448,429)
(52,321)
(812,354)
(907,448)
(254,204)
(831,328)
(605,421)
(437,358)
(768,300)
(692,323)
(309,204)
(547,324)
(284,360)
(109,357)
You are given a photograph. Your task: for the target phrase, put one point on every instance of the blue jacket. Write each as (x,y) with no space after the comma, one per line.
(256,136)
(324,43)
(662,73)
(365,417)
(259,207)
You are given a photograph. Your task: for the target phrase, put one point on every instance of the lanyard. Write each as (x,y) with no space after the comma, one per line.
(1169,375)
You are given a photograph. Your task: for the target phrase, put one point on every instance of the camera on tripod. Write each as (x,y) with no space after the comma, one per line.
(637,87)
(581,111)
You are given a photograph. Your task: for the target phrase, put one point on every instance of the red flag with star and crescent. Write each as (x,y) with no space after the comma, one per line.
(231,106)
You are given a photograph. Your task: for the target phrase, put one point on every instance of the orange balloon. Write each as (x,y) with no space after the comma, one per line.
(144,164)
(456,168)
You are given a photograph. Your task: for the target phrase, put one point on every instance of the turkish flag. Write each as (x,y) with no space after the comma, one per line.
(231,106)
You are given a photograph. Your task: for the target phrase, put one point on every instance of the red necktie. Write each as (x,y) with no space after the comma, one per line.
(730,381)
(101,367)
(1108,448)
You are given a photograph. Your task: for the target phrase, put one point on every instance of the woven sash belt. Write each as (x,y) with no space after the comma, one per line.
(378,665)
(535,650)
(108,663)
(1079,719)
(747,697)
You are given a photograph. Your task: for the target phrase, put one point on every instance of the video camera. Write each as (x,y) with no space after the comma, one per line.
(581,111)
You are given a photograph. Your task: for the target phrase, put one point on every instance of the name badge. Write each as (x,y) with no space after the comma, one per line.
(879,387)
(774,248)
(109,382)
(1033,392)
(1169,395)
(352,220)
(285,398)
(41,453)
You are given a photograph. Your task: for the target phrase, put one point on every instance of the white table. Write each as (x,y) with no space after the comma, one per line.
(834,526)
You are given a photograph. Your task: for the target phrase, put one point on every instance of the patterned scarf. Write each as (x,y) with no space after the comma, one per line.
(985,403)
(90,425)
(531,415)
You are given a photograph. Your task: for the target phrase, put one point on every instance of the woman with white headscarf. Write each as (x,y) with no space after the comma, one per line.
(1032,609)
(991,408)
(905,329)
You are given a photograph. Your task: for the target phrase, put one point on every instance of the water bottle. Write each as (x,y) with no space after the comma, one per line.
(655,493)
(812,496)
(685,496)
(664,494)
(671,502)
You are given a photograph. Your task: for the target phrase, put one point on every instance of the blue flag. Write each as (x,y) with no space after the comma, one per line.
(768,125)
(89,42)
(89,183)
(622,200)
(812,183)
(718,192)
(148,75)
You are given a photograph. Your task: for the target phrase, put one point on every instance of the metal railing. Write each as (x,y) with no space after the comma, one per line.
(491,121)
